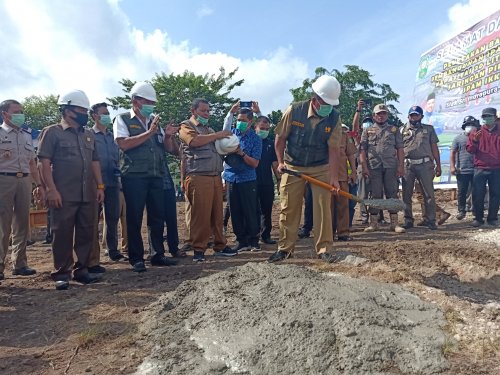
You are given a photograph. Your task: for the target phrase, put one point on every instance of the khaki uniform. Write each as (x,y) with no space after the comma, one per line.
(71,153)
(381,144)
(16,152)
(340,204)
(419,165)
(292,191)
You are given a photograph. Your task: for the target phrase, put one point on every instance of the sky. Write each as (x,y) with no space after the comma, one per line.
(52,46)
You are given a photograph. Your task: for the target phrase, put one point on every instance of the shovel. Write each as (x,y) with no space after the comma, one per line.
(390,204)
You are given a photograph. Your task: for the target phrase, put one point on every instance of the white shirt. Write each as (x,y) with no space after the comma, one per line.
(120,129)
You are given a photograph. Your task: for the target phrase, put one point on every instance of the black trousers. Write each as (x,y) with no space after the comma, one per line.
(481,177)
(170,223)
(243,206)
(308,209)
(265,196)
(464,183)
(139,193)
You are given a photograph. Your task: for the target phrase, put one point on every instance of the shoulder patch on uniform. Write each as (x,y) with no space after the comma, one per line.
(135,126)
(297,123)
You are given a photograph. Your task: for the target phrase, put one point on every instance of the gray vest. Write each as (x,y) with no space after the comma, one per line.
(203,160)
(146,160)
(305,146)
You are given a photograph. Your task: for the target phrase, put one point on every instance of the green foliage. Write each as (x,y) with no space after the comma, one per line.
(356,84)
(41,111)
(175,94)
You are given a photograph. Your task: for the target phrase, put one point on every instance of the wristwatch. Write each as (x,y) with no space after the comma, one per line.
(101,186)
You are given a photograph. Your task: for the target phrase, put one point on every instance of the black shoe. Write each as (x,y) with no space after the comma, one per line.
(87,278)
(199,256)
(279,256)
(493,223)
(162,260)
(327,257)
(460,216)
(303,233)
(139,267)
(476,223)
(432,225)
(117,256)
(23,271)
(239,247)
(407,225)
(62,285)
(226,252)
(269,241)
(47,241)
(345,238)
(96,269)
(30,242)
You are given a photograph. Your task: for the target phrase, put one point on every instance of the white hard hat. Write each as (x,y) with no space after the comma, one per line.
(74,97)
(225,146)
(144,90)
(328,89)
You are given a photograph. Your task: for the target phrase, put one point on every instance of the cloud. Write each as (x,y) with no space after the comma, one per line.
(56,48)
(204,11)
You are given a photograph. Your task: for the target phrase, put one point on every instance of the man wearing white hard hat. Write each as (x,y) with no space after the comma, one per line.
(71,174)
(308,141)
(142,144)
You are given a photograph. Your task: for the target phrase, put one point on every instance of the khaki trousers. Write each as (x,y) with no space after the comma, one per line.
(204,194)
(15,200)
(187,216)
(291,200)
(340,211)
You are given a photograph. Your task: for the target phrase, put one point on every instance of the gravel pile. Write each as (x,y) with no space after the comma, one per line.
(268,319)
(487,236)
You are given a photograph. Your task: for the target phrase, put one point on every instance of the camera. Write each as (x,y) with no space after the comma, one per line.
(245,104)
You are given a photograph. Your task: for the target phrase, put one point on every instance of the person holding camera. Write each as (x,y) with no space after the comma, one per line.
(241,176)
(142,145)
(462,163)
(109,155)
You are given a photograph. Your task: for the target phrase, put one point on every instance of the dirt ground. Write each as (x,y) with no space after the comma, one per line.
(93,329)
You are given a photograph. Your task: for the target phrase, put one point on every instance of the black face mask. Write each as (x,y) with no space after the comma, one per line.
(415,123)
(81,118)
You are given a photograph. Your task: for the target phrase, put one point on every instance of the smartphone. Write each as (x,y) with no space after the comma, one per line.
(245,104)
(368,102)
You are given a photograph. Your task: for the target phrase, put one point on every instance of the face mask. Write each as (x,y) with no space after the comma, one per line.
(263,134)
(468,129)
(242,126)
(366,125)
(17,119)
(487,120)
(105,119)
(81,118)
(147,110)
(415,122)
(325,109)
(202,120)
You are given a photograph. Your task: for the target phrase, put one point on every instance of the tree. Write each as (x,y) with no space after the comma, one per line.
(356,84)
(175,94)
(41,111)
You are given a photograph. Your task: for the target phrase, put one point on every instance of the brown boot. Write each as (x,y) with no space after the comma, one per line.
(373,224)
(395,224)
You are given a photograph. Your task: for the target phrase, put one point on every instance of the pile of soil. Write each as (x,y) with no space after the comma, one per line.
(267,319)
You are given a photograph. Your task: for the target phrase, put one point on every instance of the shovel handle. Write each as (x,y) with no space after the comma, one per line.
(322,184)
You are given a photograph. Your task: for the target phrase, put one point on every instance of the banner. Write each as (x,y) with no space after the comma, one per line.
(459,78)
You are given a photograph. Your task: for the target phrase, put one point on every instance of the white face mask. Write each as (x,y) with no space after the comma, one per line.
(468,129)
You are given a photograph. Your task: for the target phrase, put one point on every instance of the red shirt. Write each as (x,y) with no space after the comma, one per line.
(487,150)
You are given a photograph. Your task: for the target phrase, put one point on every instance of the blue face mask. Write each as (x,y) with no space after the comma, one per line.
(105,120)
(242,126)
(325,110)
(202,120)
(147,110)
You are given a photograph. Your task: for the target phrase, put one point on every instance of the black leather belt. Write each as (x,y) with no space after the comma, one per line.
(15,174)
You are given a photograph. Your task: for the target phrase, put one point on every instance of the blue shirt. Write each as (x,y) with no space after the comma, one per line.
(250,144)
(464,161)
(109,155)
